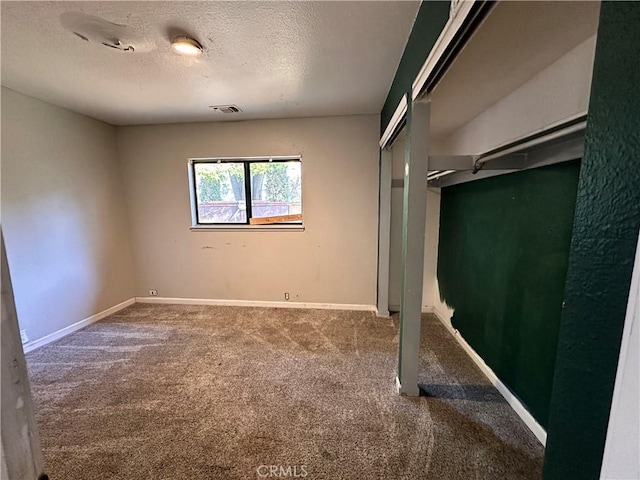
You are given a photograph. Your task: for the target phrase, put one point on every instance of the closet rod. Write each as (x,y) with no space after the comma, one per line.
(557,133)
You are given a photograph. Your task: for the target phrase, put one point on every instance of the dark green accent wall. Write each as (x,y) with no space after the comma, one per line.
(602,253)
(502,263)
(431,18)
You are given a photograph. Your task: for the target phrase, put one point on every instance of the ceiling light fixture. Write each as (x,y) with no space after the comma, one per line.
(186,45)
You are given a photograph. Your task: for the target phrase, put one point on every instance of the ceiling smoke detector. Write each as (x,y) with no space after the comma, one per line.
(226,108)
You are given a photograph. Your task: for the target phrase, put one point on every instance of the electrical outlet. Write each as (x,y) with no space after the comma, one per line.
(286,295)
(24,337)
(153,293)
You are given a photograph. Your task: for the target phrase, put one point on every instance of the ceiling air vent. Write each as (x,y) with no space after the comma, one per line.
(226,108)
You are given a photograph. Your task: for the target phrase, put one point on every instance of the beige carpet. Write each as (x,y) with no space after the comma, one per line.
(198,392)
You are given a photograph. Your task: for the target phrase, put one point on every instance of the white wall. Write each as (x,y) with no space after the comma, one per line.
(622,449)
(332,261)
(429,289)
(559,92)
(63,215)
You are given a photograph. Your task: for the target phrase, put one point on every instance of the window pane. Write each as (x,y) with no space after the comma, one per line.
(220,193)
(276,189)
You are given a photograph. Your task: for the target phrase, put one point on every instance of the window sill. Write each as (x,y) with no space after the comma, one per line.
(246,228)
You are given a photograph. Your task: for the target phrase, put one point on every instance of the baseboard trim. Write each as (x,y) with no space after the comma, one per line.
(254,303)
(52,337)
(511,399)
(515,403)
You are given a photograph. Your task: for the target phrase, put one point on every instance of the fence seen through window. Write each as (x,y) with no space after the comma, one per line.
(222,187)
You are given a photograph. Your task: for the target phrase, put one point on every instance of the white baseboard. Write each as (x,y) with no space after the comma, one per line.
(30,346)
(515,403)
(52,337)
(254,303)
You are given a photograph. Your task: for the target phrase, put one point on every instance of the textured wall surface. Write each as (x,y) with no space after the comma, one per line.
(502,262)
(332,261)
(602,253)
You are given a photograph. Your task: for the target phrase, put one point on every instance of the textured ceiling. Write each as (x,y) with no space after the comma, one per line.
(272,59)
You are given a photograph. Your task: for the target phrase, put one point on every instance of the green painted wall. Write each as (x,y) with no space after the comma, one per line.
(502,263)
(427,27)
(602,253)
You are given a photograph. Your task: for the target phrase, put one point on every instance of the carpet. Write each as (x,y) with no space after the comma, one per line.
(205,392)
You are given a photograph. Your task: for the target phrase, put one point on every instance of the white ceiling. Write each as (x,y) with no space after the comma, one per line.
(272,59)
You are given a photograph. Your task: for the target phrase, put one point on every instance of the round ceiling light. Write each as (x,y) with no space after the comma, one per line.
(186,45)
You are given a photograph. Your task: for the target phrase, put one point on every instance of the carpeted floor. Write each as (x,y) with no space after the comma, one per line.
(200,392)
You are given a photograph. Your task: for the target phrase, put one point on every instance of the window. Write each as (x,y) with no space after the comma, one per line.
(246,191)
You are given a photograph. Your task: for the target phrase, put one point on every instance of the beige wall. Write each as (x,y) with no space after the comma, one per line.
(332,261)
(63,215)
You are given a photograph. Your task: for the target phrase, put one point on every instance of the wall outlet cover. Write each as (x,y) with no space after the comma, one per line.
(24,337)
(153,293)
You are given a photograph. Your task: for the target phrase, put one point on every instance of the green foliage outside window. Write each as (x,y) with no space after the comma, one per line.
(270,182)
